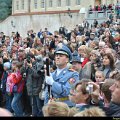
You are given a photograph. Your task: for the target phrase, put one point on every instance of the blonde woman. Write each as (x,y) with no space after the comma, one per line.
(91,112)
(84,52)
(37,43)
(54,108)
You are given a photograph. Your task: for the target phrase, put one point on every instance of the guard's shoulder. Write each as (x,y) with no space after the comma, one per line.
(71,69)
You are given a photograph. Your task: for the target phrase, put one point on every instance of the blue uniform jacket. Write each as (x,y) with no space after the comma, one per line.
(62,85)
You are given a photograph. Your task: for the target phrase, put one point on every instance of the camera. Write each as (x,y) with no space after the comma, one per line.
(89,88)
(28,59)
(24,75)
(98,62)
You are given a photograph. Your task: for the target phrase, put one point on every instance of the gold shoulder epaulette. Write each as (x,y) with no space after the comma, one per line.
(71,69)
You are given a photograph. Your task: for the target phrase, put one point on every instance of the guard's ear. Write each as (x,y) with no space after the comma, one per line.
(67,59)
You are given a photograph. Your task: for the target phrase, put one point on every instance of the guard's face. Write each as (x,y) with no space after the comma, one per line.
(61,60)
(115,89)
(76,66)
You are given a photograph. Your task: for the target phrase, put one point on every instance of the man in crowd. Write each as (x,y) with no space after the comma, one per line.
(114,108)
(63,78)
(34,80)
(76,63)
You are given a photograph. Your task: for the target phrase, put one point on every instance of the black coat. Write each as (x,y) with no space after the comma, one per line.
(34,79)
(1,70)
(113,110)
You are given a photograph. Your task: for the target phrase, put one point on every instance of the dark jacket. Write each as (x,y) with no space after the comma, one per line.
(34,79)
(107,70)
(83,107)
(113,110)
(4,80)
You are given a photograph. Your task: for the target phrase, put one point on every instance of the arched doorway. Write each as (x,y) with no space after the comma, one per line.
(97,2)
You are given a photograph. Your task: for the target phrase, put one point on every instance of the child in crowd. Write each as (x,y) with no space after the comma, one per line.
(16,85)
(99,77)
(6,96)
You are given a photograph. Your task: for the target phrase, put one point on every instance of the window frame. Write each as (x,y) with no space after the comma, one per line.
(17,5)
(35,4)
(42,3)
(50,3)
(59,3)
(68,2)
(78,2)
(23,5)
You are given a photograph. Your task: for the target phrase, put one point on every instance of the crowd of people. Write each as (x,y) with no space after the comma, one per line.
(106,8)
(102,7)
(65,73)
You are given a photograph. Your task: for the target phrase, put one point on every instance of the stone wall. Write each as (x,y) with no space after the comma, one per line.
(24,23)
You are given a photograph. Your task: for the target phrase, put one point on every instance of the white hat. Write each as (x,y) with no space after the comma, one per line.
(7,65)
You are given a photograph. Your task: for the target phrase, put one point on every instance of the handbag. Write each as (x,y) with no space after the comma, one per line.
(15,88)
(42,94)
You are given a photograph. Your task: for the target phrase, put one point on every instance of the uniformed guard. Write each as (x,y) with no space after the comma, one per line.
(63,78)
(76,63)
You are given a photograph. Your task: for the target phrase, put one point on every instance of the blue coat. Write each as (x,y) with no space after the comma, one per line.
(62,85)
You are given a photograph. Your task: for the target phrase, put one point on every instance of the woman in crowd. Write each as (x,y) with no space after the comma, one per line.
(91,112)
(84,52)
(17,89)
(54,108)
(108,64)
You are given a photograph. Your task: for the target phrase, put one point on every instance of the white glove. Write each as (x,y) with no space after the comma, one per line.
(49,80)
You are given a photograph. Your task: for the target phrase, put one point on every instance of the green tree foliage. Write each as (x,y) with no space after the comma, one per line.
(5,8)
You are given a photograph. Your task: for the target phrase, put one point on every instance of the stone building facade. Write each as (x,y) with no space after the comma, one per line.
(38,14)
(53,6)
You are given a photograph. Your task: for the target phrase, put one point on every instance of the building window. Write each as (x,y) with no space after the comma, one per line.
(77,2)
(22,4)
(59,3)
(35,4)
(17,5)
(42,4)
(50,3)
(67,2)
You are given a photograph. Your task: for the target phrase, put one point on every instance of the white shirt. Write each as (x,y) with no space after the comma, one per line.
(58,71)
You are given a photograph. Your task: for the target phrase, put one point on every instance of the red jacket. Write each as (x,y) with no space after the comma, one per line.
(15,79)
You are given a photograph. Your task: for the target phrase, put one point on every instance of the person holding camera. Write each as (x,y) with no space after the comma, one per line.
(114,106)
(85,94)
(95,59)
(34,81)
